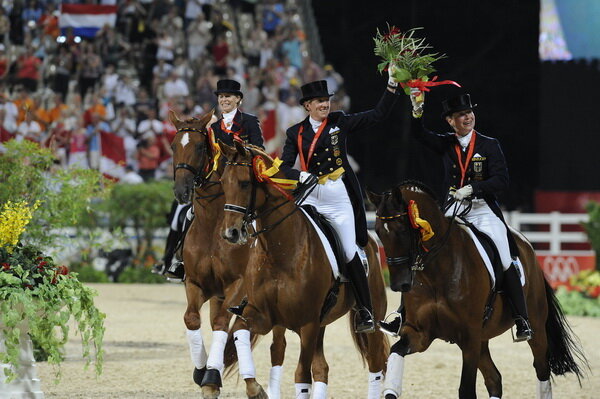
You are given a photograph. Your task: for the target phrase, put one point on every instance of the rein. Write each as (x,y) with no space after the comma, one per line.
(250,212)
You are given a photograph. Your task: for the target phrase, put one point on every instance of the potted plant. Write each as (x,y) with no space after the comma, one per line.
(40,298)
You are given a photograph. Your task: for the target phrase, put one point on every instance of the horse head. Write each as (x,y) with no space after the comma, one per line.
(191,154)
(249,181)
(404,219)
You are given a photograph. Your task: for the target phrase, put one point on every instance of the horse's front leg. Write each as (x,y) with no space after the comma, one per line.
(308,342)
(411,341)
(277,355)
(491,375)
(195,299)
(471,350)
(243,346)
(212,380)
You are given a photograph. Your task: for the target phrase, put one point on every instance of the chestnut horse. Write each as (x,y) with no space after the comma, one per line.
(289,281)
(213,268)
(446,287)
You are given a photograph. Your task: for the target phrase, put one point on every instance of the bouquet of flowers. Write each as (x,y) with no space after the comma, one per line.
(37,292)
(403,56)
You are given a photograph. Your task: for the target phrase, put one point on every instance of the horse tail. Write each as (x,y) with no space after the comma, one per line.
(564,349)
(230,358)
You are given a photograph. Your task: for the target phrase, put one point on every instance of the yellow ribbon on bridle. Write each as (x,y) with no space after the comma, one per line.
(216,149)
(418,223)
(288,184)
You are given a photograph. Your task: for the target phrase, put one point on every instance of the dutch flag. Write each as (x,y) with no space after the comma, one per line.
(86,19)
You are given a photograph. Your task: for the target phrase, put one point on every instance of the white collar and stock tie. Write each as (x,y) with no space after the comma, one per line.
(465,140)
(228,118)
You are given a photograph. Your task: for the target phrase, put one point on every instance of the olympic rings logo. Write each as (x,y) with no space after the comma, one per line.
(560,268)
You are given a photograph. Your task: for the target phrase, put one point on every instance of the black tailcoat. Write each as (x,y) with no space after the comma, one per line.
(245,124)
(330,152)
(487,172)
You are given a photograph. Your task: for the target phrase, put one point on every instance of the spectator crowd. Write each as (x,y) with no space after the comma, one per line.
(61,90)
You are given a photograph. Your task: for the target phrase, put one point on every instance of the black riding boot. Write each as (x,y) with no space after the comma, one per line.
(170,247)
(360,288)
(393,327)
(514,292)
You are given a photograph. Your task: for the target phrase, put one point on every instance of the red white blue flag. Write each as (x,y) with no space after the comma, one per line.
(86,19)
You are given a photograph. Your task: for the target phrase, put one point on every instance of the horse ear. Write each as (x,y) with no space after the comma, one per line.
(397,196)
(240,148)
(229,151)
(206,119)
(173,118)
(374,198)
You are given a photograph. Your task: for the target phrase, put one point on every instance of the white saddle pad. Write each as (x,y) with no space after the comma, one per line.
(327,247)
(486,258)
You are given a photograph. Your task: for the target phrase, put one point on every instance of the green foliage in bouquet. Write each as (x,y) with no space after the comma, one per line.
(592,228)
(27,173)
(38,294)
(406,53)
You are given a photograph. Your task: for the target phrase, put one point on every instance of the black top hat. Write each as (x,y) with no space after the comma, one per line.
(229,86)
(315,89)
(456,104)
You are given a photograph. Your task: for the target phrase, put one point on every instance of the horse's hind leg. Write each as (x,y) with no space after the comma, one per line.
(491,375)
(539,348)
(320,369)
(308,341)
(277,355)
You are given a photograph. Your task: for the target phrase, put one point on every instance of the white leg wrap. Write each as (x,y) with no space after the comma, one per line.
(494,397)
(274,388)
(197,350)
(244,353)
(302,390)
(544,390)
(319,390)
(393,375)
(217,347)
(375,384)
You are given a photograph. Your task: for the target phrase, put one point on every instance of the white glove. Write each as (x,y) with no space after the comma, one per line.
(417,98)
(463,193)
(391,81)
(304,176)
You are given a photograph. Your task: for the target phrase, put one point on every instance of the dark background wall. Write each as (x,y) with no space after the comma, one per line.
(492,50)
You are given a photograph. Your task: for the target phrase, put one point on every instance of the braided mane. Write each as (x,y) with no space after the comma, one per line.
(418,185)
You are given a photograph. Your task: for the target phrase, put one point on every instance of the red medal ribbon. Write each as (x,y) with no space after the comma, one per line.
(236,135)
(424,86)
(463,168)
(303,164)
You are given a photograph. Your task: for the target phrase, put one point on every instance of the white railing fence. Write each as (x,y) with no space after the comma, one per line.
(530,225)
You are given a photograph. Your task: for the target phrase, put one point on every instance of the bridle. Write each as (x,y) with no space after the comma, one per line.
(250,212)
(199,179)
(419,255)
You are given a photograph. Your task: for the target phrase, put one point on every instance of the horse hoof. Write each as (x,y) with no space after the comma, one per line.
(199,375)
(210,392)
(260,395)
(211,377)
(255,391)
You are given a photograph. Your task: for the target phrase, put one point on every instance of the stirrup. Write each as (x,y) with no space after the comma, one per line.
(391,328)
(175,273)
(364,324)
(523,330)
(238,310)
(159,269)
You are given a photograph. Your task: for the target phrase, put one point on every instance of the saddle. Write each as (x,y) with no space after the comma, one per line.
(330,234)
(336,245)
(492,252)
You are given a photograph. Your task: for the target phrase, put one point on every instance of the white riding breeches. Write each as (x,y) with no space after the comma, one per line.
(482,217)
(332,201)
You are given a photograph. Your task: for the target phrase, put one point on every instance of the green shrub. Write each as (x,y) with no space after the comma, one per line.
(88,274)
(592,228)
(140,274)
(576,304)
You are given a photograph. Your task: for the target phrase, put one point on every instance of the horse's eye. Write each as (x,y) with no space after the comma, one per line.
(244,184)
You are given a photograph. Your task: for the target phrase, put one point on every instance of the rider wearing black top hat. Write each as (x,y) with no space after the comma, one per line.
(319,141)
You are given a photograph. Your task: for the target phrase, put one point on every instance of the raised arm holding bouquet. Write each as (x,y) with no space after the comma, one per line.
(404,58)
